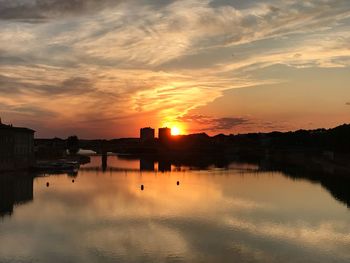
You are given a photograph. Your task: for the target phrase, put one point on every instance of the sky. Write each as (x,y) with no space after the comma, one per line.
(105,68)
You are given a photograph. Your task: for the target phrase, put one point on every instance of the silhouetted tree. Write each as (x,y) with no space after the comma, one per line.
(73,144)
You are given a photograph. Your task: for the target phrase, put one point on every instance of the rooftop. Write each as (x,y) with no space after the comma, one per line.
(10,127)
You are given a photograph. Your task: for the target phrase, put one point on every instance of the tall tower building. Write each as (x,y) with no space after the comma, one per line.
(146,134)
(164,134)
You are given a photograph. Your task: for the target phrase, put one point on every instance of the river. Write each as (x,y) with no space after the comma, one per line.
(239,213)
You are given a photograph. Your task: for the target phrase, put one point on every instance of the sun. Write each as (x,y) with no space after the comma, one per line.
(175,131)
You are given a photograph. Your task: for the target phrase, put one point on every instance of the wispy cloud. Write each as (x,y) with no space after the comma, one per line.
(214,124)
(101,59)
(40,10)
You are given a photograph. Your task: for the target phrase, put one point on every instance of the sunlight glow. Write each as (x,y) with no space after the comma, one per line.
(175,131)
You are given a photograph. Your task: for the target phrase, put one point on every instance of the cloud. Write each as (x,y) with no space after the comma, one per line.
(115,59)
(36,10)
(31,111)
(214,124)
(151,33)
(228,123)
(69,87)
(168,31)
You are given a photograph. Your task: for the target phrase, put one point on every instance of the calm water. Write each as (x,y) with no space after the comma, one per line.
(214,215)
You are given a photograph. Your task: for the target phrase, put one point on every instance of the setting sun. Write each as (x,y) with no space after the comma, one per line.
(175,131)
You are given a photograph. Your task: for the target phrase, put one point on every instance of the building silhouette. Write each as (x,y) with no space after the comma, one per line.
(16,147)
(164,134)
(147,134)
(50,148)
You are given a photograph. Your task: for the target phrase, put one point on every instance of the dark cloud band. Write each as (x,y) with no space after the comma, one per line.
(211,123)
(34,10)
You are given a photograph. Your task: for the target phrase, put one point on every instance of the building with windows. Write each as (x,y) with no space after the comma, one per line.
(147,134)
(16,147)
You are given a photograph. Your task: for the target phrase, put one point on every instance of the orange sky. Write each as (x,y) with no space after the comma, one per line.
(106,68)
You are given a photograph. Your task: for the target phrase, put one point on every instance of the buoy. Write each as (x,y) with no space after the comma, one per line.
(142,187)
(47,184)
(178,183)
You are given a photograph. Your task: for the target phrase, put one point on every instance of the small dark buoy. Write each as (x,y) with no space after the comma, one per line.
(73,181)
(47,184)
(142,187)
(178,183)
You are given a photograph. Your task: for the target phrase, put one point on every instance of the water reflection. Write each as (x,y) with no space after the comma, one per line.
(335,184)
(236,213)
(164,166)
(147,164)
(104,162)
(15,189)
